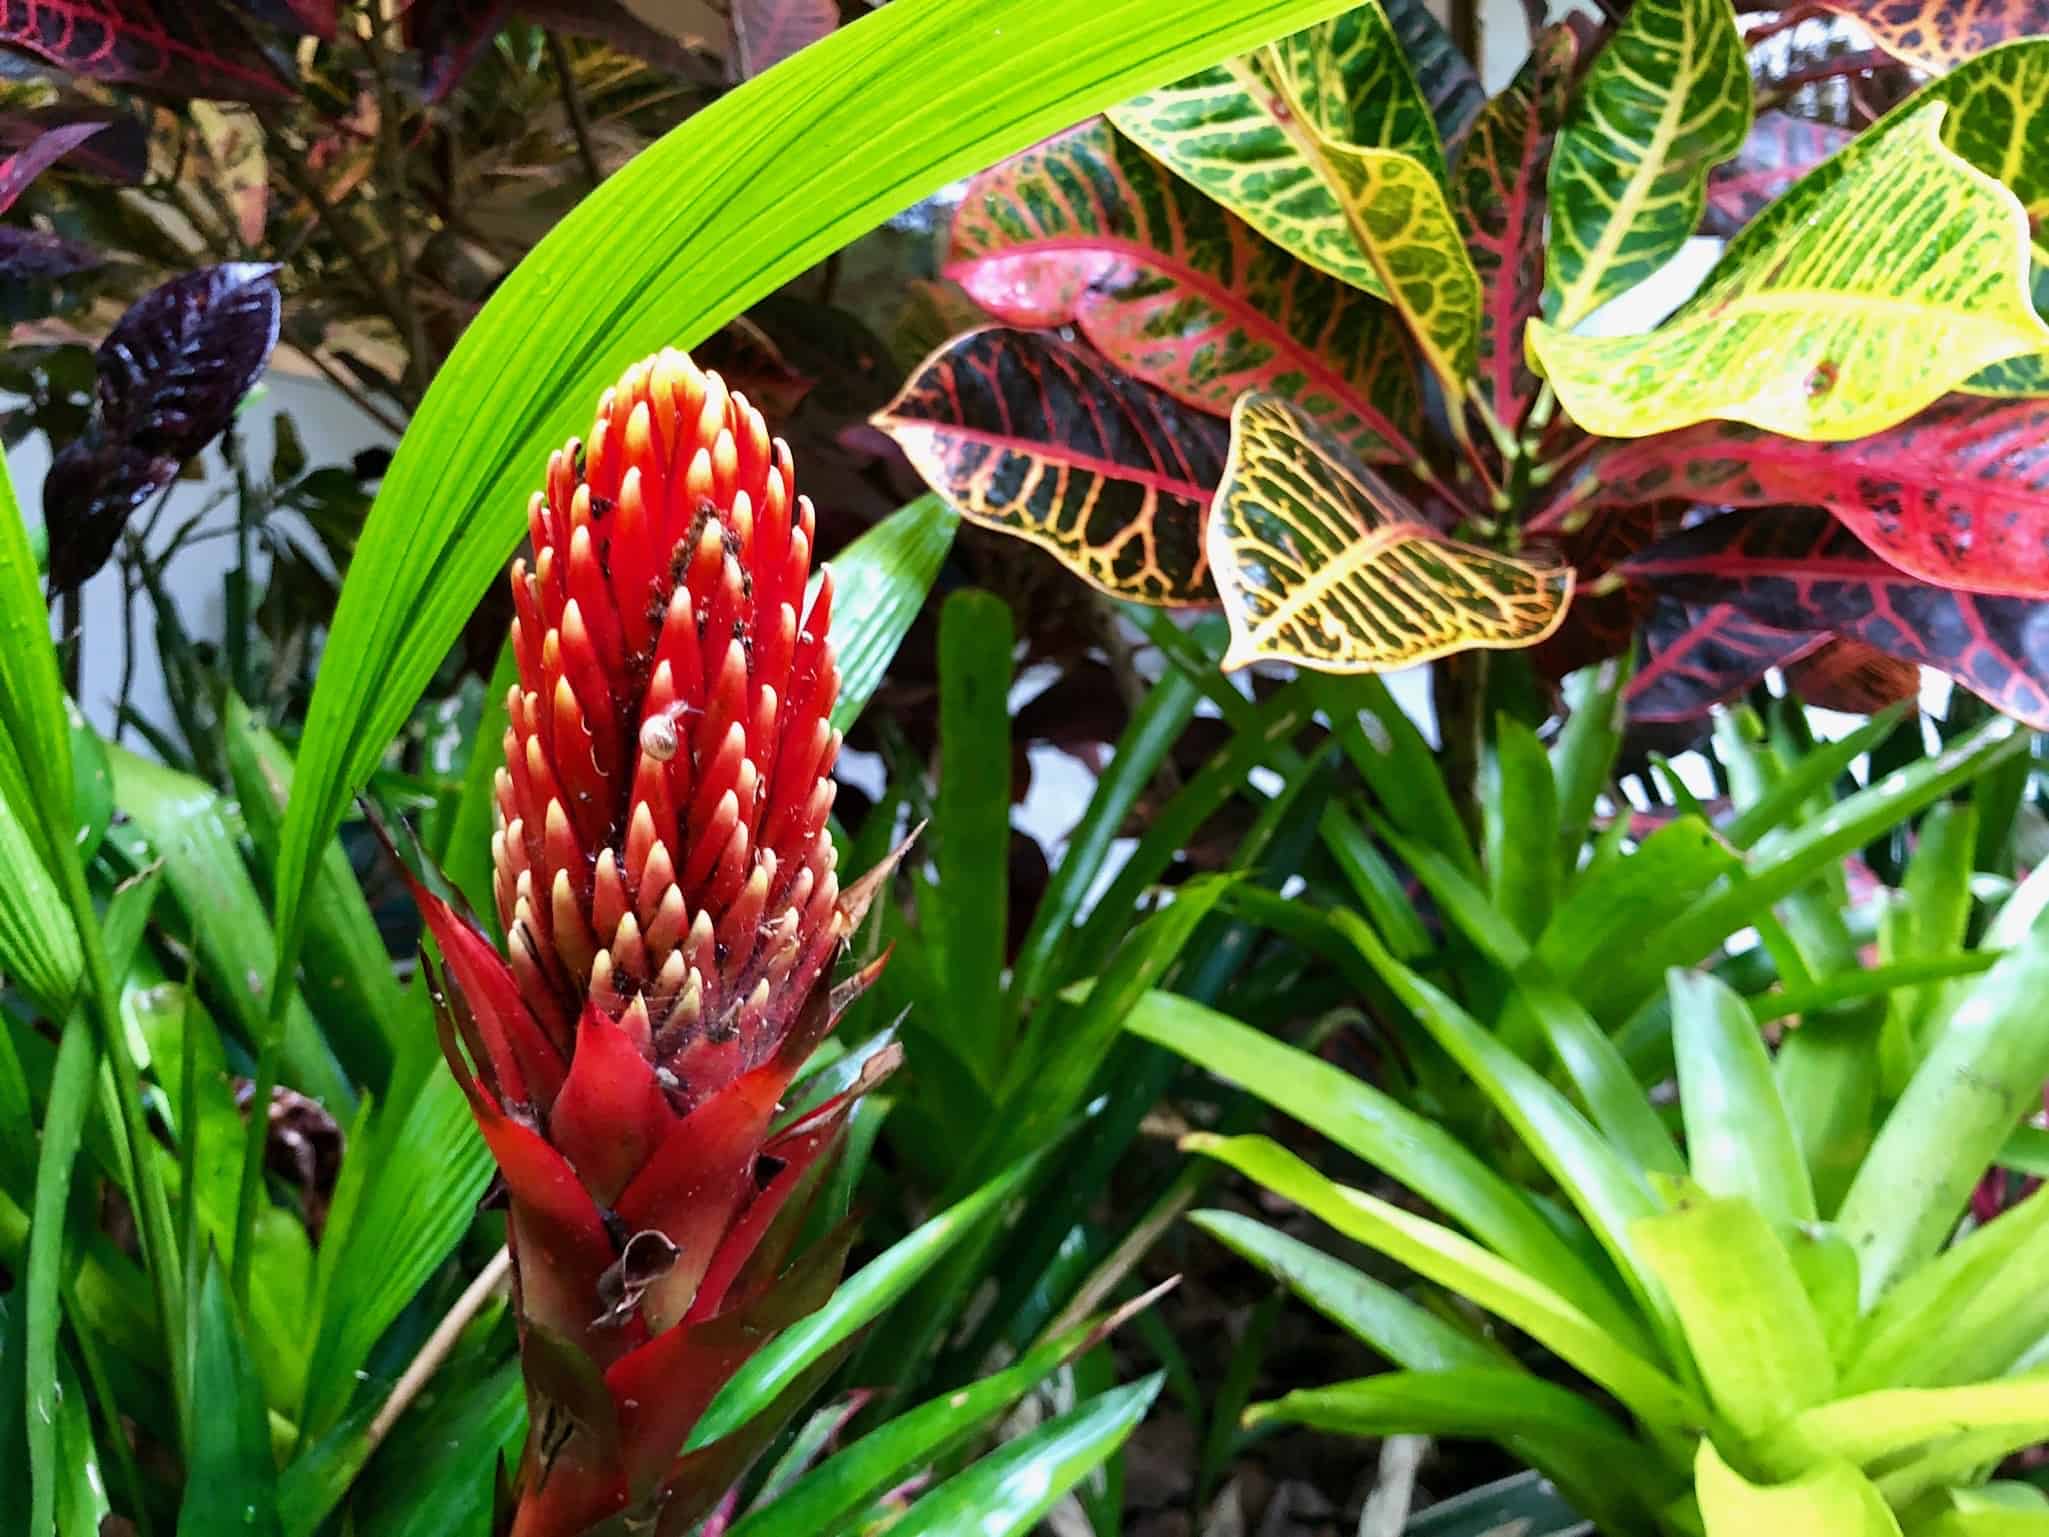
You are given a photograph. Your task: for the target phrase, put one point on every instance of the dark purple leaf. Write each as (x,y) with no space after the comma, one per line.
(30,256)
(44,151)
(119,152)
(449,34)
(1695,655)
(1797,568)
(175,366)
(170,375)
(174,48)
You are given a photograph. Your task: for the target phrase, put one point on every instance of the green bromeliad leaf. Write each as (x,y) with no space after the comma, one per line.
(1852,302)
(1321,562)
(1667,100)
(1088,230)
(1227,131)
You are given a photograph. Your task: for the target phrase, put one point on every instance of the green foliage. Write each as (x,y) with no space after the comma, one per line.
(1764,1366)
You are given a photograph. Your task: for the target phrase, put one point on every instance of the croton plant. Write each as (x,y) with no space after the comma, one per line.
(1317,334)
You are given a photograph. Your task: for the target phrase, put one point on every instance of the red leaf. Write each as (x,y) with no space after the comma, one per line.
(316,18)
(1850,676)
(1780,150)
(524,1063)
(1085,229)
(1798,569)
(611,1114)
(1957,496)
(1028,434)
(1940,34)
(38,155)
(766,32)
(1698,654)
(1498,193)
(168,47)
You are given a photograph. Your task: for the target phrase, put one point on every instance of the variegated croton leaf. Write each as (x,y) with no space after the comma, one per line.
(1321,562)
(1039,438)
(167,47)
(1603,618)
(765,32)
(1817,322)
(1448,80)
(1780,149)
(1957,495)
(1696,655)
(1797,569)
(1326,145)
(1498,195)
(1087,229)
(1941,34)
(1665,100)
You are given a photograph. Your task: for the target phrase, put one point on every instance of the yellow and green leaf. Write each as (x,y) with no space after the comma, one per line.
(1227,131)
(1833,1500)
(1321,562)
(1666,101)
(1395,205)
(1871,288)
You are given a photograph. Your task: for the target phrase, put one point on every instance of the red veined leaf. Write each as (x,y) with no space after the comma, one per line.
(1957,495)
(1498,194)
(1695,655)
(1937,35)
(1087,229)
(1780,150)
(29,162)
(168,47)
(1447,78)
(1321,562)
(1796,568)
(1601,622)
(1043,439)
(1850,676)
(766,32)
(316,18)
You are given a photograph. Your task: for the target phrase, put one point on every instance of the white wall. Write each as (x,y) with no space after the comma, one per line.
(333,431)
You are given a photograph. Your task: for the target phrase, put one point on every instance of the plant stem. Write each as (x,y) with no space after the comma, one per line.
(572,102)
(1458,691)
(439,1344)
(391,183)
(360,400)
(70,640)
(293,165)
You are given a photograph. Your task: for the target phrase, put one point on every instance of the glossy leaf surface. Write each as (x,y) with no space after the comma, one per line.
(1087,229)
(1036,437)
(1957,494)
(1321,562)
(1667,99)
(1696,655)
(1498,194)
(1798,569)
(170,47)
(170,375)
(1816,323)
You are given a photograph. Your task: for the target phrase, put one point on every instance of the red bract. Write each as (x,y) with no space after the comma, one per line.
(665,880)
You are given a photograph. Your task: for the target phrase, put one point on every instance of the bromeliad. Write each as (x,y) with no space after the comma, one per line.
(665,881)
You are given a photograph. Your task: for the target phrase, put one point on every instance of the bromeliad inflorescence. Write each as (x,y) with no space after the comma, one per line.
(665,881)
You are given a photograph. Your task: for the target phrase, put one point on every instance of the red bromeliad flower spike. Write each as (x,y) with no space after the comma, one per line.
(665,879)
